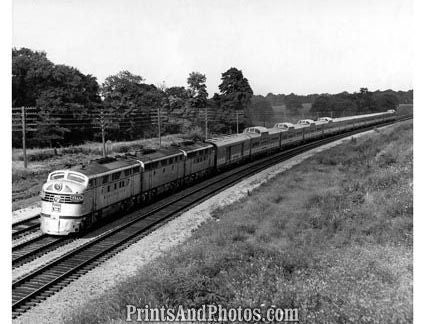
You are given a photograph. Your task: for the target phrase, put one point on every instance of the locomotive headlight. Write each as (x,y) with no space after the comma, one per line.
(76,198)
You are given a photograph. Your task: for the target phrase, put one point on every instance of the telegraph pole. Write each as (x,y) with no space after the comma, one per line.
(24,147)
(206,122)
(237,122)
(159,125)
(24,120)
(102,128)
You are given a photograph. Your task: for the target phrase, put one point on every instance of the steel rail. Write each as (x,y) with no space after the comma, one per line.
(33,248)
(26,225)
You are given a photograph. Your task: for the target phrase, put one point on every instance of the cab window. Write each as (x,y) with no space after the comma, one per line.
(75,177)
(57,175)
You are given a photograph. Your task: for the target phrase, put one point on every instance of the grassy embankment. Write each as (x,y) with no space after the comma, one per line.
(26,183)
(333,237)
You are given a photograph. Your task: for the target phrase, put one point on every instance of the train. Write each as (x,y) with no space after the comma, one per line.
(75,199)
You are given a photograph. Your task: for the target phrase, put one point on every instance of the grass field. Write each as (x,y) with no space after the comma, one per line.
(333,237)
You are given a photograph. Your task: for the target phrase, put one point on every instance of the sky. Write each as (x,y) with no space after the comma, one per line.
(281,46)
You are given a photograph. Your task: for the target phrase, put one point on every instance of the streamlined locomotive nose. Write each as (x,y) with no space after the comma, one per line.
(62,207)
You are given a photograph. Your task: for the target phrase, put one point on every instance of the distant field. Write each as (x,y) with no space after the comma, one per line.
(332,237)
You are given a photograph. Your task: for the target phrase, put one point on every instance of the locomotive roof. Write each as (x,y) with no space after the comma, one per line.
(193,146)
(159,154)
(96,167)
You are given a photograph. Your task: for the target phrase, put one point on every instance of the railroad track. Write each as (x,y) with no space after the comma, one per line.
(36,286)
(29,250)
(25,227)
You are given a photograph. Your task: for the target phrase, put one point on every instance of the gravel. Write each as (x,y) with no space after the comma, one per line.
(57,308)
(26,238)
(25,213)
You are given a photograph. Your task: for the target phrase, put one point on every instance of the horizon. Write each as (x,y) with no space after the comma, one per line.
(281,47)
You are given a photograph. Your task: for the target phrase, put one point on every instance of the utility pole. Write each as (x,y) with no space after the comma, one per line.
(159,125)
(206,122)
(24,147)
(237,122)
(162,102)
(102,127)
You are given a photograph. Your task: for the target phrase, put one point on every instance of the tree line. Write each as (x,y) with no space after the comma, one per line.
(71,107)
(363,101)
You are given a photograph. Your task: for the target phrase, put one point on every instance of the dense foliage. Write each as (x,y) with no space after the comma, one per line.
(62,95)
(128,104)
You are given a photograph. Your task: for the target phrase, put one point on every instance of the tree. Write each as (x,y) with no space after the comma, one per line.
(293,103)
(259,111)
(31,73)
(197,89)
(364,101)
(63,96)
(235,90)
(177,97)
(129,103)
(323,104)
(386,101)
(66,106)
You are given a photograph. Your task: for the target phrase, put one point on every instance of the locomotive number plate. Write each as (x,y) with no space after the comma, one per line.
(56,207)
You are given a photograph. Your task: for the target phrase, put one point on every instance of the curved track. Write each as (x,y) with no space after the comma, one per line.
(36,286)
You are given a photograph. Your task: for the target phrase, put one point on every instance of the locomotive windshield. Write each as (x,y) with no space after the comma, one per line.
(75,177)
(57,175)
